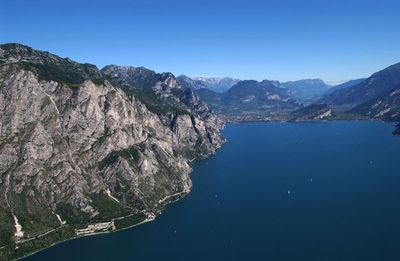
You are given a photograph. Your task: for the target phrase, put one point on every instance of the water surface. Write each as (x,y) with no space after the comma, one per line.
(276,191)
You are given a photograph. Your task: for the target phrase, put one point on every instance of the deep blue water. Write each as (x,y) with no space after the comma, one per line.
(344,201)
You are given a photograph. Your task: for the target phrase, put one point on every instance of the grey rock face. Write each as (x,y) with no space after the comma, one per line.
(179,108)
(91,151)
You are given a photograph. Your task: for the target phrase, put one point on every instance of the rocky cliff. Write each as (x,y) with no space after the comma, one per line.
(84,150)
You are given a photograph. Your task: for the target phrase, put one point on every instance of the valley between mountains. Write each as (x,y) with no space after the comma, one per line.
(85,151)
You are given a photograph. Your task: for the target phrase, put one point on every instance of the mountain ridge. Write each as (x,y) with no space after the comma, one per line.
(307,89)
(216,84)
(372,87)
(81,153)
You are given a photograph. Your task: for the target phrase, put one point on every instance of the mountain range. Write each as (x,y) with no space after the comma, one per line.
(344,85)
(215,84)
(251,100)
(86,150)
(377,85)
(307,89)
(376,97)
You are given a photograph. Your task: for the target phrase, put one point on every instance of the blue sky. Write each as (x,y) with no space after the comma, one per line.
(277,40)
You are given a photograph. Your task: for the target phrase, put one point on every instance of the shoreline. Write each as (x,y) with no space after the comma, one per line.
(82,236)
(179,196)
(394,123)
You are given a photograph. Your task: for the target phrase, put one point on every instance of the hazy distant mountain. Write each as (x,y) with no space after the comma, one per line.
(344,85)
(377,97)
(187,82)
(251,100)
(379,84)
(213,99)
(215,84)
(307,89)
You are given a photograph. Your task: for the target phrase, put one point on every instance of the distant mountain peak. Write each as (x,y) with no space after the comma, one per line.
(307,89)
(217,84)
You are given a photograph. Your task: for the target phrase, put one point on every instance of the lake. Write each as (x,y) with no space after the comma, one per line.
(275,191)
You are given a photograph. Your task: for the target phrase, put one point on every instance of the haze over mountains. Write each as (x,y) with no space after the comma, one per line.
(344,85)
(376,85)
(215,84)
(307,89)
(82,146)
(375,97)
(251,100)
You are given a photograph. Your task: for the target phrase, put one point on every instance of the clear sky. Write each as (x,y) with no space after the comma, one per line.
(270,39)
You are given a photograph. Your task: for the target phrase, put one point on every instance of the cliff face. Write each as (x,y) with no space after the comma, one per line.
(78,148)
(188,117)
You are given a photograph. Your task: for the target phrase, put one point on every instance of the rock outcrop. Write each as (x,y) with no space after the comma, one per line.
(80,146)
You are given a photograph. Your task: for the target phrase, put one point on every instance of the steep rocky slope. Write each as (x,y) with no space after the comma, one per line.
(85,151)
(377,97)
(375,86)
(179,108)
(386,107)
(344,85)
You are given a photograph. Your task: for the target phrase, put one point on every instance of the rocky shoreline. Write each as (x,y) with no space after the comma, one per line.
(82,147)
